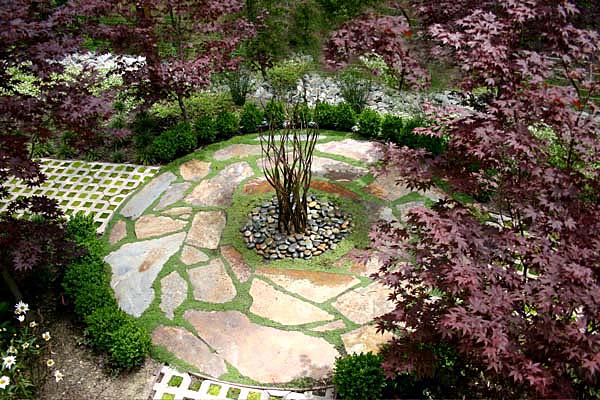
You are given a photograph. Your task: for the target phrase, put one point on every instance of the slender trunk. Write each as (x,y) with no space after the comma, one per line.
(184,112)
(12,285)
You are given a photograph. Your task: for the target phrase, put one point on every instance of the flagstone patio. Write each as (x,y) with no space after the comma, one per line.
(218,314)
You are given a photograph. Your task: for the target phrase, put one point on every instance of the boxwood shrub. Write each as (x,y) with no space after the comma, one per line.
(359,377)
(226,125)
(369,124)
(251,118)
(175,142)
(205,129)
(345,117)
(325,115)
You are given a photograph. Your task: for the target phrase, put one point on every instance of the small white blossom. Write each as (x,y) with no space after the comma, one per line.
(8,362)
(25,345)
(58,375)
(50,362)
(46,336)
(21,318)
(12,350)
(4,381)
(32,324)
(21,308)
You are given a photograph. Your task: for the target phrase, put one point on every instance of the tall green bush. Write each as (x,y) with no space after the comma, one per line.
(251,118)
(205,129)
(173,143)
(226,125)
(355,87)
(325,115)
(369,124)
(345,117)
(406,137)
(359,377)
(275,113)
(284,77)
(239,83)
(391,127)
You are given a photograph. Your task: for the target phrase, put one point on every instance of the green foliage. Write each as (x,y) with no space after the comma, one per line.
(325,115)
(175,381)
(406,137)
(284,76)
(198,104)
(275,113)
(354,86)
(146,127)
(227,125)
(251,118)
(302,115)
(174,142)
(307,20)
(359,377)
(369,124)
(205,129)
(130,345)
(345,117)
(391,127)
(239,83)
(101,324)
(345,8)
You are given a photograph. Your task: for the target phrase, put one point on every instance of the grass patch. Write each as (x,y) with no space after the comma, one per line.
(214,389)
(233,393)
(168,396)
(175,381)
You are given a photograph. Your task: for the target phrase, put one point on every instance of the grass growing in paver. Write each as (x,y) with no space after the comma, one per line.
(168,396)
(175,381)
(233,393)
(214,389)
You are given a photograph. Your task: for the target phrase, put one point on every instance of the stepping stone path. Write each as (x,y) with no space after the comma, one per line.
(173,261)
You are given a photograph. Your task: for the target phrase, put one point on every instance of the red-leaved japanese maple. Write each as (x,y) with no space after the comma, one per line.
(512,280)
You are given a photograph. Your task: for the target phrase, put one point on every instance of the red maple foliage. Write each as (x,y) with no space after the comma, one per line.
(512,281)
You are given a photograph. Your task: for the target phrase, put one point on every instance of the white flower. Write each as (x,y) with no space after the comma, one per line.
(32,324)
(58,376)
(46,336)
(21,317)
(25,345)
(12,350)
(50,362)
(21,308)
(4,381)
(8,362)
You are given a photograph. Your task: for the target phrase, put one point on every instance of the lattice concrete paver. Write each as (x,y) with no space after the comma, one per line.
(91,188)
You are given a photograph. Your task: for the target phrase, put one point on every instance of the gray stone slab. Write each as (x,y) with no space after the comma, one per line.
(135,267)
(237,151)
(218,191)
(172,195)
(118,232)
(147,195)
(173,292)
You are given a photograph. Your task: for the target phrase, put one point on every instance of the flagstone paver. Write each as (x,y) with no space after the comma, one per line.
(206,229)
(191,255)
(405,207)
(118,232)
(262,353)
(260,186)
(240,268)
(277,306)
(211,283)
(194,170)
(135,267)
(190,349)
(218,191)
(173,289)
(312,285)
(365,339)
(141,200)
(153,225)
(172,195)
(357,149)
(237,151)
(181,212)
(363,304)
(332,326)
(329,168)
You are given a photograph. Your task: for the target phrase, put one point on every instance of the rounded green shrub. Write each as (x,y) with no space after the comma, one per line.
(89,297)
(173,143)
(275,113)
(345,117)
(205,129)
(359,377)
(251,118)
(302,114)
(226,124)
(391,127)
(325,115)
(407,137)
(369,123)
(130,345)
(102,323)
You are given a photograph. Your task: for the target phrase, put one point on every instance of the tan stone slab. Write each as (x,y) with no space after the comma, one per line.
(365,339)
(237,151)
(206,229)
(313,285)
(118,232)
(356,149)
(362,263)
(218,190)
(212,283)
(194,170)
(265,354)
(173,291)
(332,326)
(328,168)
(260,186)
(187,347)
(277,306)
(235,260)
(362,305)
(384,187)
(152,225)
(177,211)
(191,255)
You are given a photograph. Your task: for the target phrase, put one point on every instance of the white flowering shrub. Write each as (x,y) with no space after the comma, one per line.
(25,350)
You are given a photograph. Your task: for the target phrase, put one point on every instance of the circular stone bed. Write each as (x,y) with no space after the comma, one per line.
(327,225)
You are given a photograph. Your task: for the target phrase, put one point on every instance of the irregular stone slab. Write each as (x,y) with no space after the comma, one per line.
(384,186)
(172,195)
(366,268)
(359,150)
(190,349)
(206,229)
(329,187)
(236,262)
(265,354)
(302,138)
(363,304)
(194,170)
(257,186)
(191,255)
(147,195)
(218,191)
(277,306)
(403,208)
(118,232)
(173,291)
(178,211)
(237,151)
(329,169)
(211,283)
(135,267)
(313,285)
(152,225)
(332,326)
(365,339)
